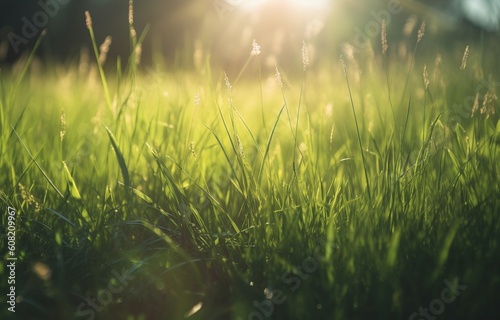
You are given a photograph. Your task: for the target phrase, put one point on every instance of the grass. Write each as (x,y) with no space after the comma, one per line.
(179,184)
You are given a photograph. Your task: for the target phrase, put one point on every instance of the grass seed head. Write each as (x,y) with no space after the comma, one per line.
(104,49)
(62,133)
(240,147)
(489,101)
(138,54)
(278,77)
(131,12)
(348,51)
(133,33)
(305,56)
(191,148)
(426,77)
(29,198)
(383,38)
(229,88)
(464,58)
(228,84)
(255,48)
(475,106)
(344,67)
(88,20)
(421,32)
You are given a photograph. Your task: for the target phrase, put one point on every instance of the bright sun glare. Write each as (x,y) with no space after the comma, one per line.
(311,3)
(317,4)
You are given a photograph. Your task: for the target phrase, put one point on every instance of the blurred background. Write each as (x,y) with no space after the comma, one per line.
(187,32)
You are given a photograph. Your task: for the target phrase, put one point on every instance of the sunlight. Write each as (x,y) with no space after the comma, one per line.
(320,4)
(279,26)
(301,4)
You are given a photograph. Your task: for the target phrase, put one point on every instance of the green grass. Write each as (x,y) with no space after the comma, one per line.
(361,212)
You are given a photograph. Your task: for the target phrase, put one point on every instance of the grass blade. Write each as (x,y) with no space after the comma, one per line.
(119,157)
(37,164)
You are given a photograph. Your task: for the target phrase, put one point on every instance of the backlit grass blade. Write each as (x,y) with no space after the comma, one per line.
(104,81)
(72,188)
(75,193)
(149,201)
(357,129)
(29,61)
(37,164)
(119,158)
(268,146)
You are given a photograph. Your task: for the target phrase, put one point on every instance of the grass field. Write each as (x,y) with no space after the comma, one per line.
(353,189)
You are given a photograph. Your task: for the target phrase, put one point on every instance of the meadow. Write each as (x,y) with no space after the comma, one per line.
(354,187)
